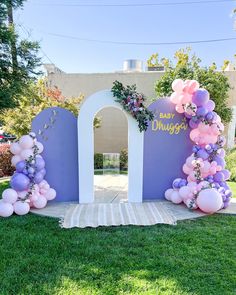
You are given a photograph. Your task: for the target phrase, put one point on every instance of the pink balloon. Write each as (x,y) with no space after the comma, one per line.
(185,98)
(184,191)
(15,159)
(50,194)
(21,208)
(34,197)
(22,195)
(179,108)
(168,194)
(193,86)
(206,167)
(209,200)
(40,203)
(175,98)
(212,170)
(9,196)
(194,134)
(178,85)
(26,142)
(175,197)
(186,169)
(189,161)
(39,146)
(26,154)
(6,209)
(15,148)
(203,128)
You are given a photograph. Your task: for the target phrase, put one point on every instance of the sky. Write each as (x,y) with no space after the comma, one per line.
(42,20)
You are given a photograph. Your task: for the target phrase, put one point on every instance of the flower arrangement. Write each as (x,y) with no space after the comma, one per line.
(133,103)
(205,187)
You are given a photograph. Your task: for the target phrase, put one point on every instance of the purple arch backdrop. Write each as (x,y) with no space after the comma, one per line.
(56,128)
(166,147)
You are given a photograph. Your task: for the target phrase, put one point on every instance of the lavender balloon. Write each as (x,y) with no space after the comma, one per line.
(200,97)
(20,166)
(19,182)
(39,163)
(219,176)
(202,154)
(38,177)
(201,111)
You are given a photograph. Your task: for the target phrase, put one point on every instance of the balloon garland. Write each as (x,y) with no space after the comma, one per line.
(205,187)
(28,187)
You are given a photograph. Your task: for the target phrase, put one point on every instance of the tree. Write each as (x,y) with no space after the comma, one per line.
(18,58)
(37,97)
(188,67)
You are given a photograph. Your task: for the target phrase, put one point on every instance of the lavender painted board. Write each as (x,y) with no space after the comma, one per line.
(56,128)
(164,152)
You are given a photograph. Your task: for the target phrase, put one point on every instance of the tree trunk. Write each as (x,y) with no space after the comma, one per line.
(13,41)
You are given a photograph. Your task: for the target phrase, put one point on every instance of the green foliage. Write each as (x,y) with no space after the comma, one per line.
(6,168)
(18,58)
(231,163)
(124,159)
(133,103)
(35,98)
(98,161)
(188,67)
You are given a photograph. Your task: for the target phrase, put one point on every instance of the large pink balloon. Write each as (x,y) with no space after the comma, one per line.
(26,142)
(15,148)
(209,200)
(40,203)
(6,209)
(21,208)
(178,85)
(9,196)
(194,134)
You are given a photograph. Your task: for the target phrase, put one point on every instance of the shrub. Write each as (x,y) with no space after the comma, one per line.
(6,168)
(98,161)
(231,163)
(124,159)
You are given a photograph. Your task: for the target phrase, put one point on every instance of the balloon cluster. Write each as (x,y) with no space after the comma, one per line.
(28,187)
(205,187)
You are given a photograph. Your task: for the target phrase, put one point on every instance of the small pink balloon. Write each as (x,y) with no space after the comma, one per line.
(209,200)
(50,194)
(179,108)
(15,159)
(39,146)
(186,169)
(177,85)
(26,142)
(175,197)
(194,134)
(9,196)
(175,98)
(21,208)
(184,191)
(26,154)
(189,161)
(193,86)
(6,209)
(34,197)
(15,148)
(168,194)
(185,98)
(22,195)
(40,203)
(42,184)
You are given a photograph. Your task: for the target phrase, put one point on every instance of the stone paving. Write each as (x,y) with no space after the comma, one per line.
(113,189)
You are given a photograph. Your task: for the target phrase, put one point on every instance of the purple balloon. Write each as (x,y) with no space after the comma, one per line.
(38,177)
(182,182)
(226,173)
(39,163)
(228,193)
(219,161)
(201,111)
(20,182)
(188,116)
(210,105)
(219,176)
(209,116)
(20,166)
(193,124)
(202,154)
(200,97)
(176,182)
(43,172)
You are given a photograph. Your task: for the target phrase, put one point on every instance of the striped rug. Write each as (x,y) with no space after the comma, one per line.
(115,214)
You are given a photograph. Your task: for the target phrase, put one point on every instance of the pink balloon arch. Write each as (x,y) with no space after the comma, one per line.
(205,185)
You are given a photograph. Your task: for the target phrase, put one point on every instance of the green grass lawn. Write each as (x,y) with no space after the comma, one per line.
(196,257)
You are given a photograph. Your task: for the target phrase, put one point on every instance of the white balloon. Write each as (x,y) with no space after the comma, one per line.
(15,148)
(26,154)
(15,159)
(26,142)
(40,147)
(175,197)
(168,194)
(21,208)
(9,196)
(6,209)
